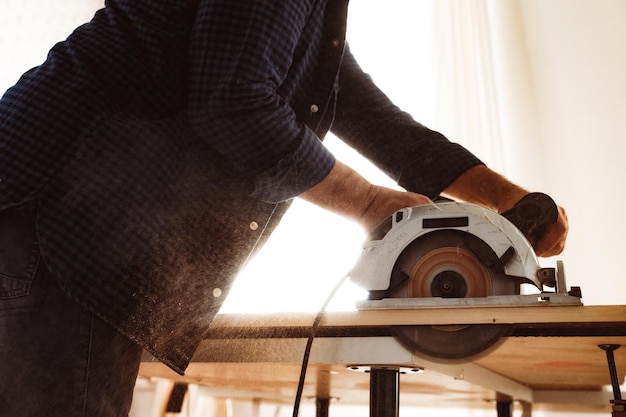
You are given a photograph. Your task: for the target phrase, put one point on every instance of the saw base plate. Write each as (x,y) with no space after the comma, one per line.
(543,298)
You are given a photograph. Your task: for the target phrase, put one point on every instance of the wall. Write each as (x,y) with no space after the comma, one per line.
(29,28)
(577,57)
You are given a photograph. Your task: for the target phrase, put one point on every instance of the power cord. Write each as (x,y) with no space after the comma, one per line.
(309,343)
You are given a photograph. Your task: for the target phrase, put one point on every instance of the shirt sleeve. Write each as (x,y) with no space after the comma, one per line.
(240,53)
(417,158)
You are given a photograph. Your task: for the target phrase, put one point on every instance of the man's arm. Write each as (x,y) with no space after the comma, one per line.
(417,158)
(344,192)
(420,159)
(480,185)
(240,58)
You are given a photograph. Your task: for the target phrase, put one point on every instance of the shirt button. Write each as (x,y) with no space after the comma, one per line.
(335,42)
(314,108)
(254,225)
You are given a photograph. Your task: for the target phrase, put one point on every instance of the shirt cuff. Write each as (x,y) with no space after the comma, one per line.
(444,164)
(307,166)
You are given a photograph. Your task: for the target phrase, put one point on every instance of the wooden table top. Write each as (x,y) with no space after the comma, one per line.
(551,360)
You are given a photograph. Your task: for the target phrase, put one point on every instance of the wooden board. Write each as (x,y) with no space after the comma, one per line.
(552,360)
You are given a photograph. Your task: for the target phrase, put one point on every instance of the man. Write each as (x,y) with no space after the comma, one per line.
(153,153)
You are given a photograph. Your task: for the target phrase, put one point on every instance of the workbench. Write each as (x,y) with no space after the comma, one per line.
(551,360)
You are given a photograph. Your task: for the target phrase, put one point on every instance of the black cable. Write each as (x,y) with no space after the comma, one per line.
(309,343)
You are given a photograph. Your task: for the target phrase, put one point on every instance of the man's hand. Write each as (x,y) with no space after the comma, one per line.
(348,194)
(385,202)
(553,240)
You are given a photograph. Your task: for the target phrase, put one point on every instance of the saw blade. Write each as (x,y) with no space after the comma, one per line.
(449,272)
(452,342)
(448,264)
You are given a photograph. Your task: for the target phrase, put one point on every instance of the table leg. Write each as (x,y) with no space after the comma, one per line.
(384,392)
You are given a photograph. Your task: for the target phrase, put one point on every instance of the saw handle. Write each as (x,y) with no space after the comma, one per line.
(532,214)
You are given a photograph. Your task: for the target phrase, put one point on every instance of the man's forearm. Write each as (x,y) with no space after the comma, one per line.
(343,191)
(480,185)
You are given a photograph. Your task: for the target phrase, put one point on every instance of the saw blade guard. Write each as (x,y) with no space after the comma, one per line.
(384,246)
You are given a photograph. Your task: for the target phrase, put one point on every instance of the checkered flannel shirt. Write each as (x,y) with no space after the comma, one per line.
(157,134)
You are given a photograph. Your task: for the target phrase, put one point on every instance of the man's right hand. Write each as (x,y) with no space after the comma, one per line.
(385,202)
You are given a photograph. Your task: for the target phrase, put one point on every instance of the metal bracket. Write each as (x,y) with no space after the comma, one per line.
(619,405)
(384,387)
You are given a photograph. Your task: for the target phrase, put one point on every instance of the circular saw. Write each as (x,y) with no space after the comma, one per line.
(452,254)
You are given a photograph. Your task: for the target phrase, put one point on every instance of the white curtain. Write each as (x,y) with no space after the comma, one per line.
(467,107)
(484,94)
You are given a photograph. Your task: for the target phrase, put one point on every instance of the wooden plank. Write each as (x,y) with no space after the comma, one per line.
(556,363)
(567,315)
(251,355)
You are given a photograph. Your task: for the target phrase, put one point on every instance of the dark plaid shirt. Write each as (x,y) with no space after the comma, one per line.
(158,136)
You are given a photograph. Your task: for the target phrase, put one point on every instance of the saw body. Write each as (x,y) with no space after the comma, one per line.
(453,254)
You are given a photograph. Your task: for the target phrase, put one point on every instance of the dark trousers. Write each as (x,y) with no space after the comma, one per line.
(56,358)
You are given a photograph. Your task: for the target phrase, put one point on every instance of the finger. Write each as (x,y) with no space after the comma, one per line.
(553,250)
(553,241)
